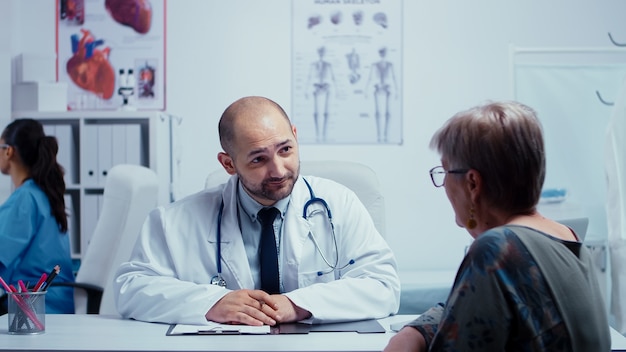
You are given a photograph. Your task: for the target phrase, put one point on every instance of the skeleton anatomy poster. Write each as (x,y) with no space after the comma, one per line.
(111,52)
(347,70)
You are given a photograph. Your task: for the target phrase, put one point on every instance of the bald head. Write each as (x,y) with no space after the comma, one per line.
(243,111)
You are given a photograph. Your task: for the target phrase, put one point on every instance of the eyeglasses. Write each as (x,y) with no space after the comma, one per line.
(4,146)
(438,174)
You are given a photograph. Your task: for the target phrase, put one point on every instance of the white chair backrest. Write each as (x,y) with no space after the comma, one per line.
(579,225)
(360,178)
(130,193)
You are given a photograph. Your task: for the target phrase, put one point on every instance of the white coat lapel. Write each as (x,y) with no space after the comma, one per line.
(234,260)
(295,233)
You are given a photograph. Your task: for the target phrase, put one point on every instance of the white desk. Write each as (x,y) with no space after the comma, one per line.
(107,333)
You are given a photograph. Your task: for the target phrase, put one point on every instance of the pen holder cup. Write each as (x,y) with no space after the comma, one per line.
(27,313)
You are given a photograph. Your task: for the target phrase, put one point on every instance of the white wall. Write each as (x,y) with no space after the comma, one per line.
(455,56)
(6,49)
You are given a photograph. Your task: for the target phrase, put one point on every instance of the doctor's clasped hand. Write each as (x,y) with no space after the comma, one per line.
(255,307)
(267,246)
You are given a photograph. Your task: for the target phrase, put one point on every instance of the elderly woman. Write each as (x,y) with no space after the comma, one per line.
(527,282)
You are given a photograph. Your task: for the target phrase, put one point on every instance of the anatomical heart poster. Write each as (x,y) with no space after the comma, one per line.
(347,71)
(111,53)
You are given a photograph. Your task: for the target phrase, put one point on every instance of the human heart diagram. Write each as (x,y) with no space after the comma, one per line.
(136,14)
(89,67)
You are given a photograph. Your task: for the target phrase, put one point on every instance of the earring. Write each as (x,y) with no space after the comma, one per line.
(471,222)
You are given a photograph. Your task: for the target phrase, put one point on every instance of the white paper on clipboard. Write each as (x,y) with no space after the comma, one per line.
(216,329)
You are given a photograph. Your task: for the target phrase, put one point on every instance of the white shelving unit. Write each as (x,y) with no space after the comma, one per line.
(90,143)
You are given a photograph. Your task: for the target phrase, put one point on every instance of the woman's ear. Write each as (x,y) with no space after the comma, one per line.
(474,182)
(11,153)
(227,163)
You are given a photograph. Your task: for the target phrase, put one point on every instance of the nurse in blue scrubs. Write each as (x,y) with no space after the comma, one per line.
(33,220)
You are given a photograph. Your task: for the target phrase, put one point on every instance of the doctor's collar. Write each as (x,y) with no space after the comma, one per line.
(251,207)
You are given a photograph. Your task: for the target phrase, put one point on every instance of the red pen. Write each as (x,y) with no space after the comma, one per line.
(42,279)
(23,287)
(4,284)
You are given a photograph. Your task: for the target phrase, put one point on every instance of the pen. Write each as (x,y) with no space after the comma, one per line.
(4,284)
(51,276)
(19,318)
(23,287)
(42,279)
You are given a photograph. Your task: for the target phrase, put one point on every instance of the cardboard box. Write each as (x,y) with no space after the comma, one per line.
(40,96)
(35,68)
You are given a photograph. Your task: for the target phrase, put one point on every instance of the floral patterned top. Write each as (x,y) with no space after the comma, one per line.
(502,299)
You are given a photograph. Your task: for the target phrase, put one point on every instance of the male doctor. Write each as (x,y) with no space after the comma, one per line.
(187,249)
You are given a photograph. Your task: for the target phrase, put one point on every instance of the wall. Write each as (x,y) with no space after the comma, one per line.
(456,54)
(5,79)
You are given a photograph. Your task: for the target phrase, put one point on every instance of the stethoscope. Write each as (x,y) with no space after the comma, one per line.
(219,280)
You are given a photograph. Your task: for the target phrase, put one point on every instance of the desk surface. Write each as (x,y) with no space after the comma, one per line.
(106,333)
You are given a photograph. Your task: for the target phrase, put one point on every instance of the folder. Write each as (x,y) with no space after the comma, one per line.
(361,327)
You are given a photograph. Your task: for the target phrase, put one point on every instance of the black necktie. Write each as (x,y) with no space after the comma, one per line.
(269,255)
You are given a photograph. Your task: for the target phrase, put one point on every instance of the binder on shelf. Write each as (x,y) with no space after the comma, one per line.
(134,144)
(67,152)
(118,144)
(105,152)
(89,167)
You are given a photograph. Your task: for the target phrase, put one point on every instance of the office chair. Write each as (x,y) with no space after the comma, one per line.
(361,179)
(130,193)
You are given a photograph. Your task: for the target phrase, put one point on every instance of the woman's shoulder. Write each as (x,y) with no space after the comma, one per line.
(496,244)
(25,190)
(496,236)
(28,192)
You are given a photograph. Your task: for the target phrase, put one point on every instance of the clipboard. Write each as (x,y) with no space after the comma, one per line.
(216,329)
(361,327)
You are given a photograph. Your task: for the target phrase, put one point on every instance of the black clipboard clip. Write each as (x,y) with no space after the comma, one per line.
(219,331)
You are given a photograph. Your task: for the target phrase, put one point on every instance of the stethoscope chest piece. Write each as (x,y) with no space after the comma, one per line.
(218,281)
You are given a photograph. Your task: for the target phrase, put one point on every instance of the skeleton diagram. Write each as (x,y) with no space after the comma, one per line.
(383,77)
(321,77)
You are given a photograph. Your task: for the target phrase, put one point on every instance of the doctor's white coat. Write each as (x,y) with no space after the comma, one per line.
(167,278)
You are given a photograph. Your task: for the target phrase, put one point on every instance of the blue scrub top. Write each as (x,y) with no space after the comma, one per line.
(31,244)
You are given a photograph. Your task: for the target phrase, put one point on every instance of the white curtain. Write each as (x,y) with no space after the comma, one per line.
(583,155)
(616,206)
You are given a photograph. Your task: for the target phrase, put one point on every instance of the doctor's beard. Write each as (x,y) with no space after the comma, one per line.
(267,189)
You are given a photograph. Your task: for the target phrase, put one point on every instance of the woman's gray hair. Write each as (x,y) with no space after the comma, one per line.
(503,141)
